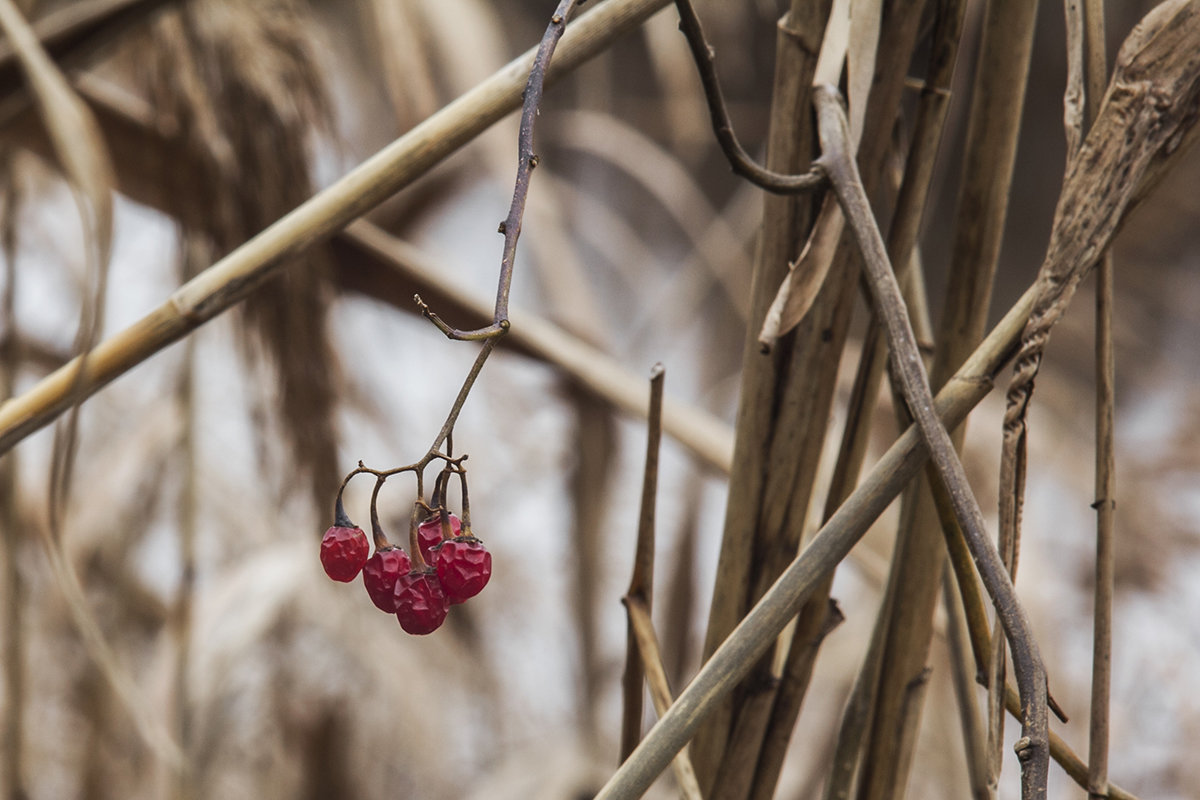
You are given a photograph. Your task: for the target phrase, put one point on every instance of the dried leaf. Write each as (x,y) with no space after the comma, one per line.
(851,38)
(805,276)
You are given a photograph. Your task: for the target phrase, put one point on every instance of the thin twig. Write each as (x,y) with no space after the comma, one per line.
(641,582)
(1096,70)
(739,159)
(1032,748)
(526,162)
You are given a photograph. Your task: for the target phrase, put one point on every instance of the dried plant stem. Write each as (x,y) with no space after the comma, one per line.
(963,670)
(902,237)
(1061,752)
(1096,73)
(526,161)
(757,631)
(1032,748)
(707,437)
(778,443)
(239,273)
(660,692)
(641,583)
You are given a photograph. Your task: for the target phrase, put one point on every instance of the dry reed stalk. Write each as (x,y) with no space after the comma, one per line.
(784,225)
(794,450)
(757,632)
(908,373)
(643,658)
(641,582)
(233,278)
(902,236)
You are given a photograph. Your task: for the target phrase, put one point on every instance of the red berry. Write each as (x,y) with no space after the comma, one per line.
(429,534)
(421,604)
(344,551)
(463,566)
(380,574)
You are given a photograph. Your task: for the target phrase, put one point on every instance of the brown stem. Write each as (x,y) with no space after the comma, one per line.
(739,159)
(641,583)
(526,162)
(1096,70)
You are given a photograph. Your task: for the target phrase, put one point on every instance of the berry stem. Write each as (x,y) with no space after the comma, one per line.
(414,543)
(376,529)
(466,503)
(339,512)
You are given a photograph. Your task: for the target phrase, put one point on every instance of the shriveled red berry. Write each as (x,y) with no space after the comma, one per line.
(380,574)
(463,567)
(429,534)
(344,551)
(421,605)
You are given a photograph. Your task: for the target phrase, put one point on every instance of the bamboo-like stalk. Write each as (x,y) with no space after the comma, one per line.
(230,280)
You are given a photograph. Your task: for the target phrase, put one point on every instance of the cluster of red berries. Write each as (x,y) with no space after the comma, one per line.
(449,567)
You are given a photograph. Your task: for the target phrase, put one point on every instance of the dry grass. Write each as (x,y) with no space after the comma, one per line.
(203,477)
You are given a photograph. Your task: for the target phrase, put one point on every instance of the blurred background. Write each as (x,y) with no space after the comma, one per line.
(205,477)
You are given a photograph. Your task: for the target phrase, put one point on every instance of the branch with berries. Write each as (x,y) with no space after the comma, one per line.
(446,563)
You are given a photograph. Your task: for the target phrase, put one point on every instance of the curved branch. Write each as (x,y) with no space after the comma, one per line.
(739,159)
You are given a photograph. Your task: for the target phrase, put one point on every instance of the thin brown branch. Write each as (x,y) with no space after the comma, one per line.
(1032,748)
(1096,69)
(527,160)
(1062,753)
(739,159)
(910,204)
